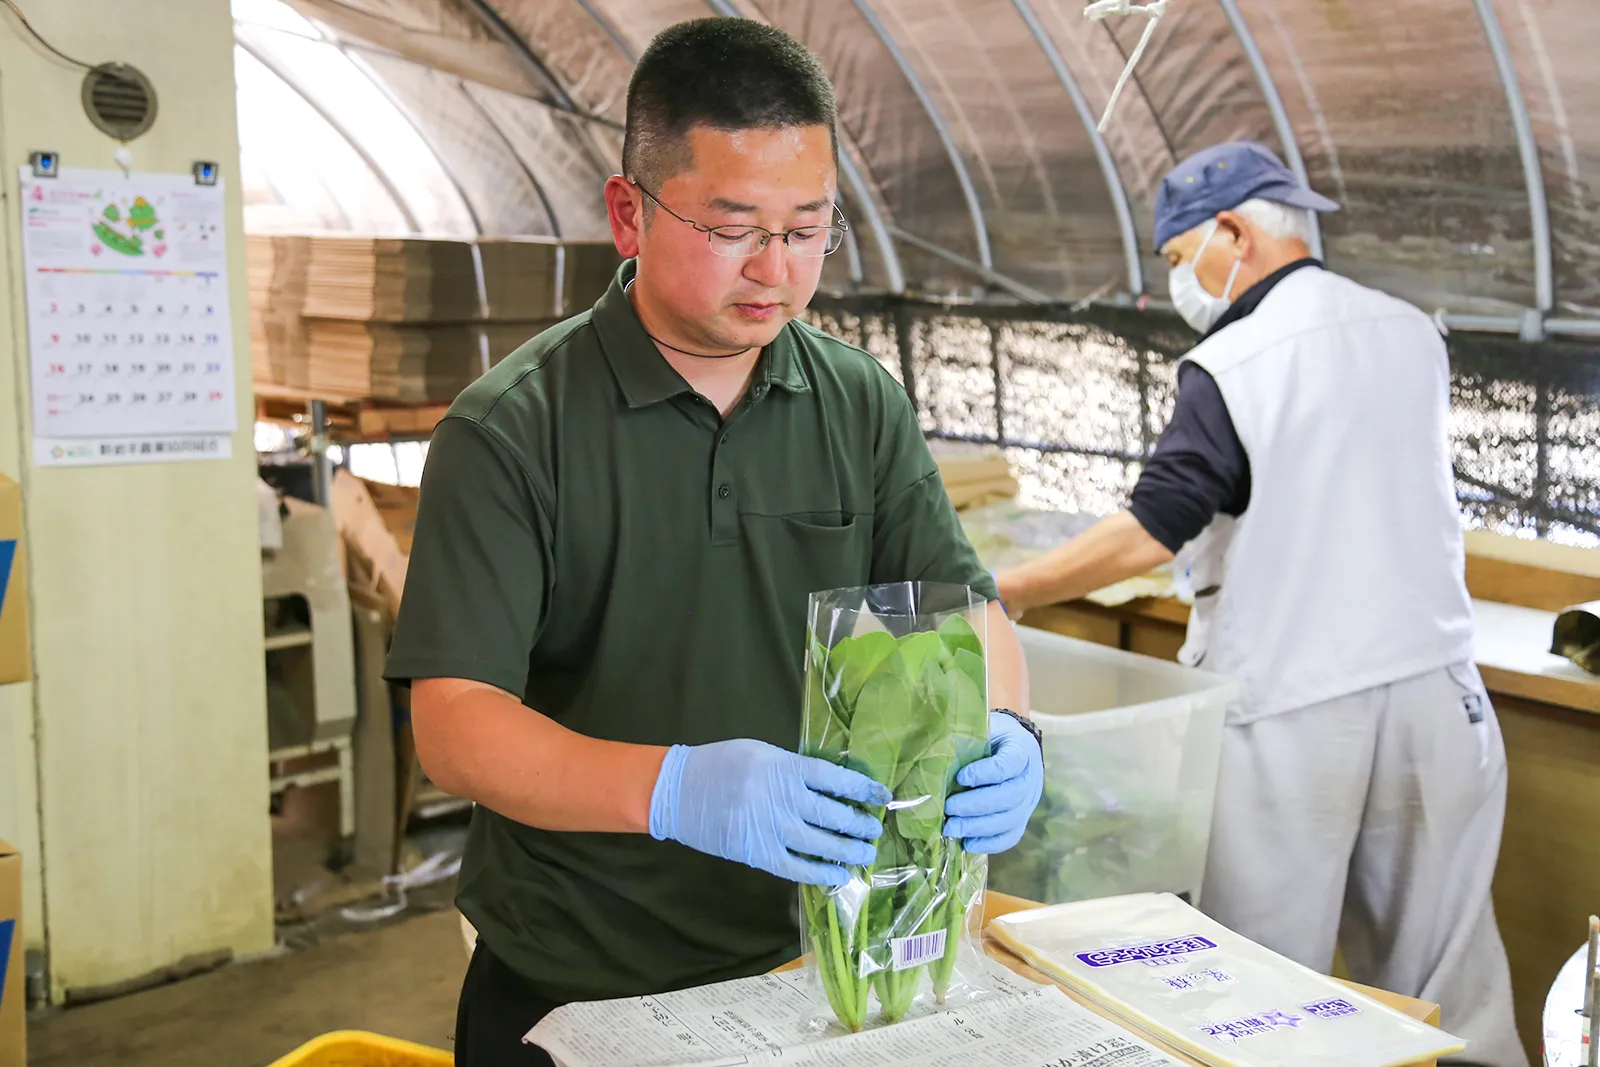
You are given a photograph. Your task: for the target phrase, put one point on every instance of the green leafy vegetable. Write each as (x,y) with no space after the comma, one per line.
(1094,834)
(909,713)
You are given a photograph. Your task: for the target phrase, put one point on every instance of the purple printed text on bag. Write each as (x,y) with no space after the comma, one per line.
(1331,1009)
(1232,1031)
(1146,953)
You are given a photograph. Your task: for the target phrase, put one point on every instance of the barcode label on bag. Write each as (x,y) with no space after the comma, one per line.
(917,950)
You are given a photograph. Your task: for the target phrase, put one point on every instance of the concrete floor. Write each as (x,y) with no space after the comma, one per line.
(400,980)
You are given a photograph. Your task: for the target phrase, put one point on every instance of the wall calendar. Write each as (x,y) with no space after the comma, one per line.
(129,334)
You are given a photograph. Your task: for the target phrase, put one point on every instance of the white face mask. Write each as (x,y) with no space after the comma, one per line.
(1199,308)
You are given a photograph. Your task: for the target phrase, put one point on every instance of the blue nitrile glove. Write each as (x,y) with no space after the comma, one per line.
(756,804)
(1000,792)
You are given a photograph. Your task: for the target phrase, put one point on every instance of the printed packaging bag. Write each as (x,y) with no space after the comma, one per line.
(1168,971)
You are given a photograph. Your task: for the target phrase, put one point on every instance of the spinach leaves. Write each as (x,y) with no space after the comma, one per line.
(910,713)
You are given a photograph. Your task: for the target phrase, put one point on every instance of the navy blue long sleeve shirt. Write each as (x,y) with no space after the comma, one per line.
(1199,468)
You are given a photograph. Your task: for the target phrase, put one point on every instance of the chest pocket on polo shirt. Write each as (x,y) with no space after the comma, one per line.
(825,550)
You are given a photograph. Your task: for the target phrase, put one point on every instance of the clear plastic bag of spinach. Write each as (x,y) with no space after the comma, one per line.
(897,688)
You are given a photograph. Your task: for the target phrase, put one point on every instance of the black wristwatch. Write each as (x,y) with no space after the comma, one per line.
(1027,724)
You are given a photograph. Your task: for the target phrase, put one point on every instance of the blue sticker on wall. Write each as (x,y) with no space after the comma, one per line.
(8,552)
(6,930)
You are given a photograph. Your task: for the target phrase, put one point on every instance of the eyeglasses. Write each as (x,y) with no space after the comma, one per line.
(742,242)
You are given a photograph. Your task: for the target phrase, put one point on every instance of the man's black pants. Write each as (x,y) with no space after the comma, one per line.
(496,1008)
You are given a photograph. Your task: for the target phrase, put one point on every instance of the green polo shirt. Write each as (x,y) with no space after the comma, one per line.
(595,537)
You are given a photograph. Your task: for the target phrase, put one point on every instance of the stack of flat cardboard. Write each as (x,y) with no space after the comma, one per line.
(519,278)
(258,262)
(343,355)
(277,271)
(590,266)
(390,280)
(401,320)
(521,283)
(373,420)
(413,363)
(973,475)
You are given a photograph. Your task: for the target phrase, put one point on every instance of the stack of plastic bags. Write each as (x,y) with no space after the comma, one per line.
(1164,970)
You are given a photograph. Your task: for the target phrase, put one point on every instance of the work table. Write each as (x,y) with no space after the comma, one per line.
(1514,657)
(1548,879)
(1513,644)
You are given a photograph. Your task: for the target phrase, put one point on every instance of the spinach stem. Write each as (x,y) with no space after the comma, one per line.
(864,986)
(841,969)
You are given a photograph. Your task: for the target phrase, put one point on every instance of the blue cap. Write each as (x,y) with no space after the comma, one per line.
(1220,179)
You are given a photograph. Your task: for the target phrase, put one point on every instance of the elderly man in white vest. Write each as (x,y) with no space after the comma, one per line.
(1305,481)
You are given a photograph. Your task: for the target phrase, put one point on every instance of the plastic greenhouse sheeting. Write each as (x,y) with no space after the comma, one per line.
(967,138)
(477,156)
(1461,136)
(276,124)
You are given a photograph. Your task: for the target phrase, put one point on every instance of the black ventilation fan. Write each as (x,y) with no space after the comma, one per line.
(119,100)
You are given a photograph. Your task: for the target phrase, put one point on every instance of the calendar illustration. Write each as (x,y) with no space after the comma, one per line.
(131,347)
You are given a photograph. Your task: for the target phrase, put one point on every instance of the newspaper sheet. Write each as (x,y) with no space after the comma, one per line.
(773,1019)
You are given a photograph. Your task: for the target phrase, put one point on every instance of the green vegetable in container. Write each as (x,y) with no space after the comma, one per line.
(910,713)
(1090,838)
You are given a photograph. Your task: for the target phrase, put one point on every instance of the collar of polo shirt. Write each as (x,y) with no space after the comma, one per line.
(645,376)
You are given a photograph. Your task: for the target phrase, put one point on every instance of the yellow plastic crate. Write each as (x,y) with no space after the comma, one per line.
(356,1048)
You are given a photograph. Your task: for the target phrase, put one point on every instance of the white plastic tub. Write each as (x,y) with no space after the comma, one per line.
(1131,746)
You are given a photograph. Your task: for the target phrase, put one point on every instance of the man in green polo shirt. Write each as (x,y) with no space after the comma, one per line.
(620,524)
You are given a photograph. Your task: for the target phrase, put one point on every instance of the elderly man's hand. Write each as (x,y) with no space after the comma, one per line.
(1010,595)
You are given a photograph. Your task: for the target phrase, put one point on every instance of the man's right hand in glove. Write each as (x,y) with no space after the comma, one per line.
(756,804)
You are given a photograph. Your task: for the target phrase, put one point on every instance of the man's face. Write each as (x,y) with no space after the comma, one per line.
(776,179)
(1217,257)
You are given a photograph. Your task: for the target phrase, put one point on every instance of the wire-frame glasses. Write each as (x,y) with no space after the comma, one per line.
(742,242)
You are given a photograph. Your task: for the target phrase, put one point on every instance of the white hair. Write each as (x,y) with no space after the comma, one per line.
(1278,221)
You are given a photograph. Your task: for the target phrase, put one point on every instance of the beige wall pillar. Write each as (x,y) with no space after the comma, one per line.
(132,769)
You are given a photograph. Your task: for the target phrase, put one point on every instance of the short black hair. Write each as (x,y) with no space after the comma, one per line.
(726,73)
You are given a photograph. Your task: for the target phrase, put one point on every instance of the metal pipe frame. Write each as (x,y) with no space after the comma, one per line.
(968,190)
(278,71)
(851,174)
(1280,116)
(1572,327)
(606,28)
(321,462)
(1056,311)
(1518,327)
(519,48)
(351,45)
(524,54)
(852,257)
(527,171)
(1528,147)
(1102,152)
(1048,448)
(860,193)
(404,112)
(1017,289)
(449,171)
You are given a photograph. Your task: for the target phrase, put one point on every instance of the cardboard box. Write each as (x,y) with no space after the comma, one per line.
(13,986)
(397,505)
(15,663)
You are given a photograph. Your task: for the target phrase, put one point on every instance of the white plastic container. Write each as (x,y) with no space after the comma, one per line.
(1131,746)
